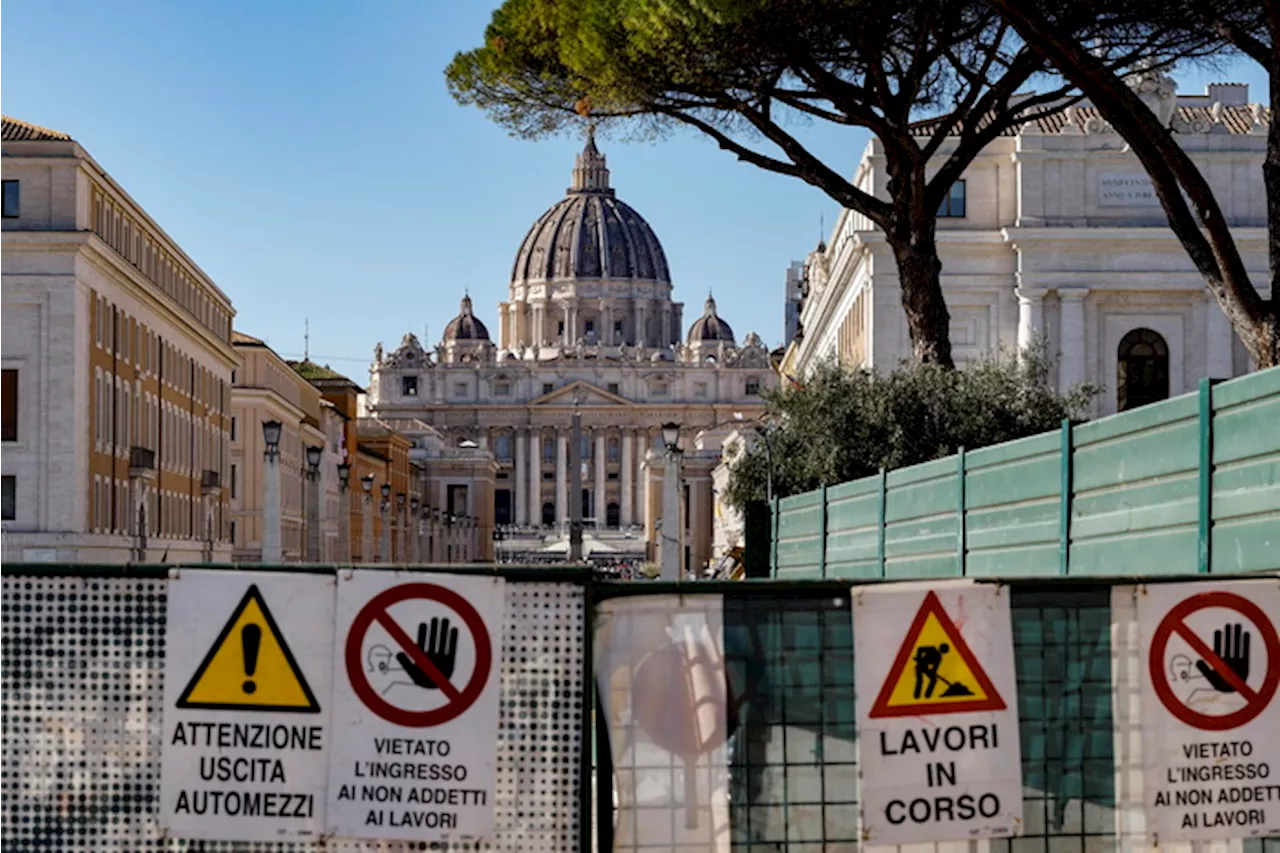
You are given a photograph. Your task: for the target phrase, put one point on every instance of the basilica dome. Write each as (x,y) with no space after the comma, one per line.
(466,326)
(590,234)
(710,327)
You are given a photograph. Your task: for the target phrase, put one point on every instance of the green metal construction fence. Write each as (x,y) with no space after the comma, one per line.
(1188,485)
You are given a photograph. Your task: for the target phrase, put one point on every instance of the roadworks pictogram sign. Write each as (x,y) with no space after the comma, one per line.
(249,667)
(935,672)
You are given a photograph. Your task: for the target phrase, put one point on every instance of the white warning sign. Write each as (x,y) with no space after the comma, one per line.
(416,706)
(1210,716)
(247,677)
(937,719)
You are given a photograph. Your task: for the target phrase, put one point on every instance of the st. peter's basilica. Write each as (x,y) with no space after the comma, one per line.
(589,324)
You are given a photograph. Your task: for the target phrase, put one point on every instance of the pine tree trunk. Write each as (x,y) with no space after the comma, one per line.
(915,247)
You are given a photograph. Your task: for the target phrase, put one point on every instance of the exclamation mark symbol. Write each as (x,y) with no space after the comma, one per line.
(250,639)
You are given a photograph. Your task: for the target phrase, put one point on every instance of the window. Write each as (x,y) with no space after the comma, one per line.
(699,389)
(12,199)
(617,328)
(459,389)
(614,388)
(8,493)
(9,406)
(613,450)
(548,387)
(409,386)
(457,500)
(589,328)
(953,204)
(1142,369)
(548,476)
(560,329)
(502,389)
(753,387)
(233,428)
(548,450)
(659,389)
(502,446)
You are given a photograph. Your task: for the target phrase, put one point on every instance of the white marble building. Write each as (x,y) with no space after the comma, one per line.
(589,323)
(1056,230)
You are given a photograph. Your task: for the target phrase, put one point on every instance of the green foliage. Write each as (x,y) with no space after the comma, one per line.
(842,425)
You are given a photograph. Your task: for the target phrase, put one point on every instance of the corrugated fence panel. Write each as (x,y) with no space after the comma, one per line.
(921,534)
(1136,492)
(1013,498)
(1246,478)
(853,529)
(1138,500)
(800,536)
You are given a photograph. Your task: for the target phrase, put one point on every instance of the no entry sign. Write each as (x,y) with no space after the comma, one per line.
(441,643)
(1210,718)
(415,706)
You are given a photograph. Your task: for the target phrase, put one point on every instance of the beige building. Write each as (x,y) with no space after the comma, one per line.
(1055,231)
(117,362)
(589,325)
(266,388)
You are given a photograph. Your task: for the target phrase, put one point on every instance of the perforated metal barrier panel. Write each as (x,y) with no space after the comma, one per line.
(82,685)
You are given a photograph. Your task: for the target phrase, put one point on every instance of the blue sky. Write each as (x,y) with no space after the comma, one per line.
(310,159)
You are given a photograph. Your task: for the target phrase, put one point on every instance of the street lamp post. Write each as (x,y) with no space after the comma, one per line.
(271,499)
(385,508)
(344,512)
(416,533)
(673,457)
(314,455)
(402,524)
(366,520)
(575,479)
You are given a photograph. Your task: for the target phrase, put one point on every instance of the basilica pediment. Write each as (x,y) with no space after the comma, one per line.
(589,395)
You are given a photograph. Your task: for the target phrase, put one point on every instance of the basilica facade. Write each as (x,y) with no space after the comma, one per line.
(589,326)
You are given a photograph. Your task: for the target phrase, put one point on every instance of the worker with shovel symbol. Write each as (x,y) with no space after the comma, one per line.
(927,661)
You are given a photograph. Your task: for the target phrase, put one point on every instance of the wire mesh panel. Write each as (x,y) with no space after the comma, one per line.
(792,752)
(82,680)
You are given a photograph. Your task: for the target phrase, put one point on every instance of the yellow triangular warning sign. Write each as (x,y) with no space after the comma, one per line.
(249,667)
(935,672)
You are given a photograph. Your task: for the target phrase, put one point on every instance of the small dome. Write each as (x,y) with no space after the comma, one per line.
(466,326)
(590,234)
(709,327)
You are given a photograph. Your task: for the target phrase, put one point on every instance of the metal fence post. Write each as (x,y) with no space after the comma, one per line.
(822,533)
(880,522)
(1064,505)
(960,527)
(1206,476)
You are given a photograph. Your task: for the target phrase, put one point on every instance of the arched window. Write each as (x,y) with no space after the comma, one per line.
(502,446)
(1142,369)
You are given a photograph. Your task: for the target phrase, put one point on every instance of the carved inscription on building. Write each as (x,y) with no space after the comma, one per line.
(1126,189)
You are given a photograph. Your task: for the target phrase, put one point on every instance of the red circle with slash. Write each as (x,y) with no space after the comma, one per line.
(376,611)
(1175,622)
